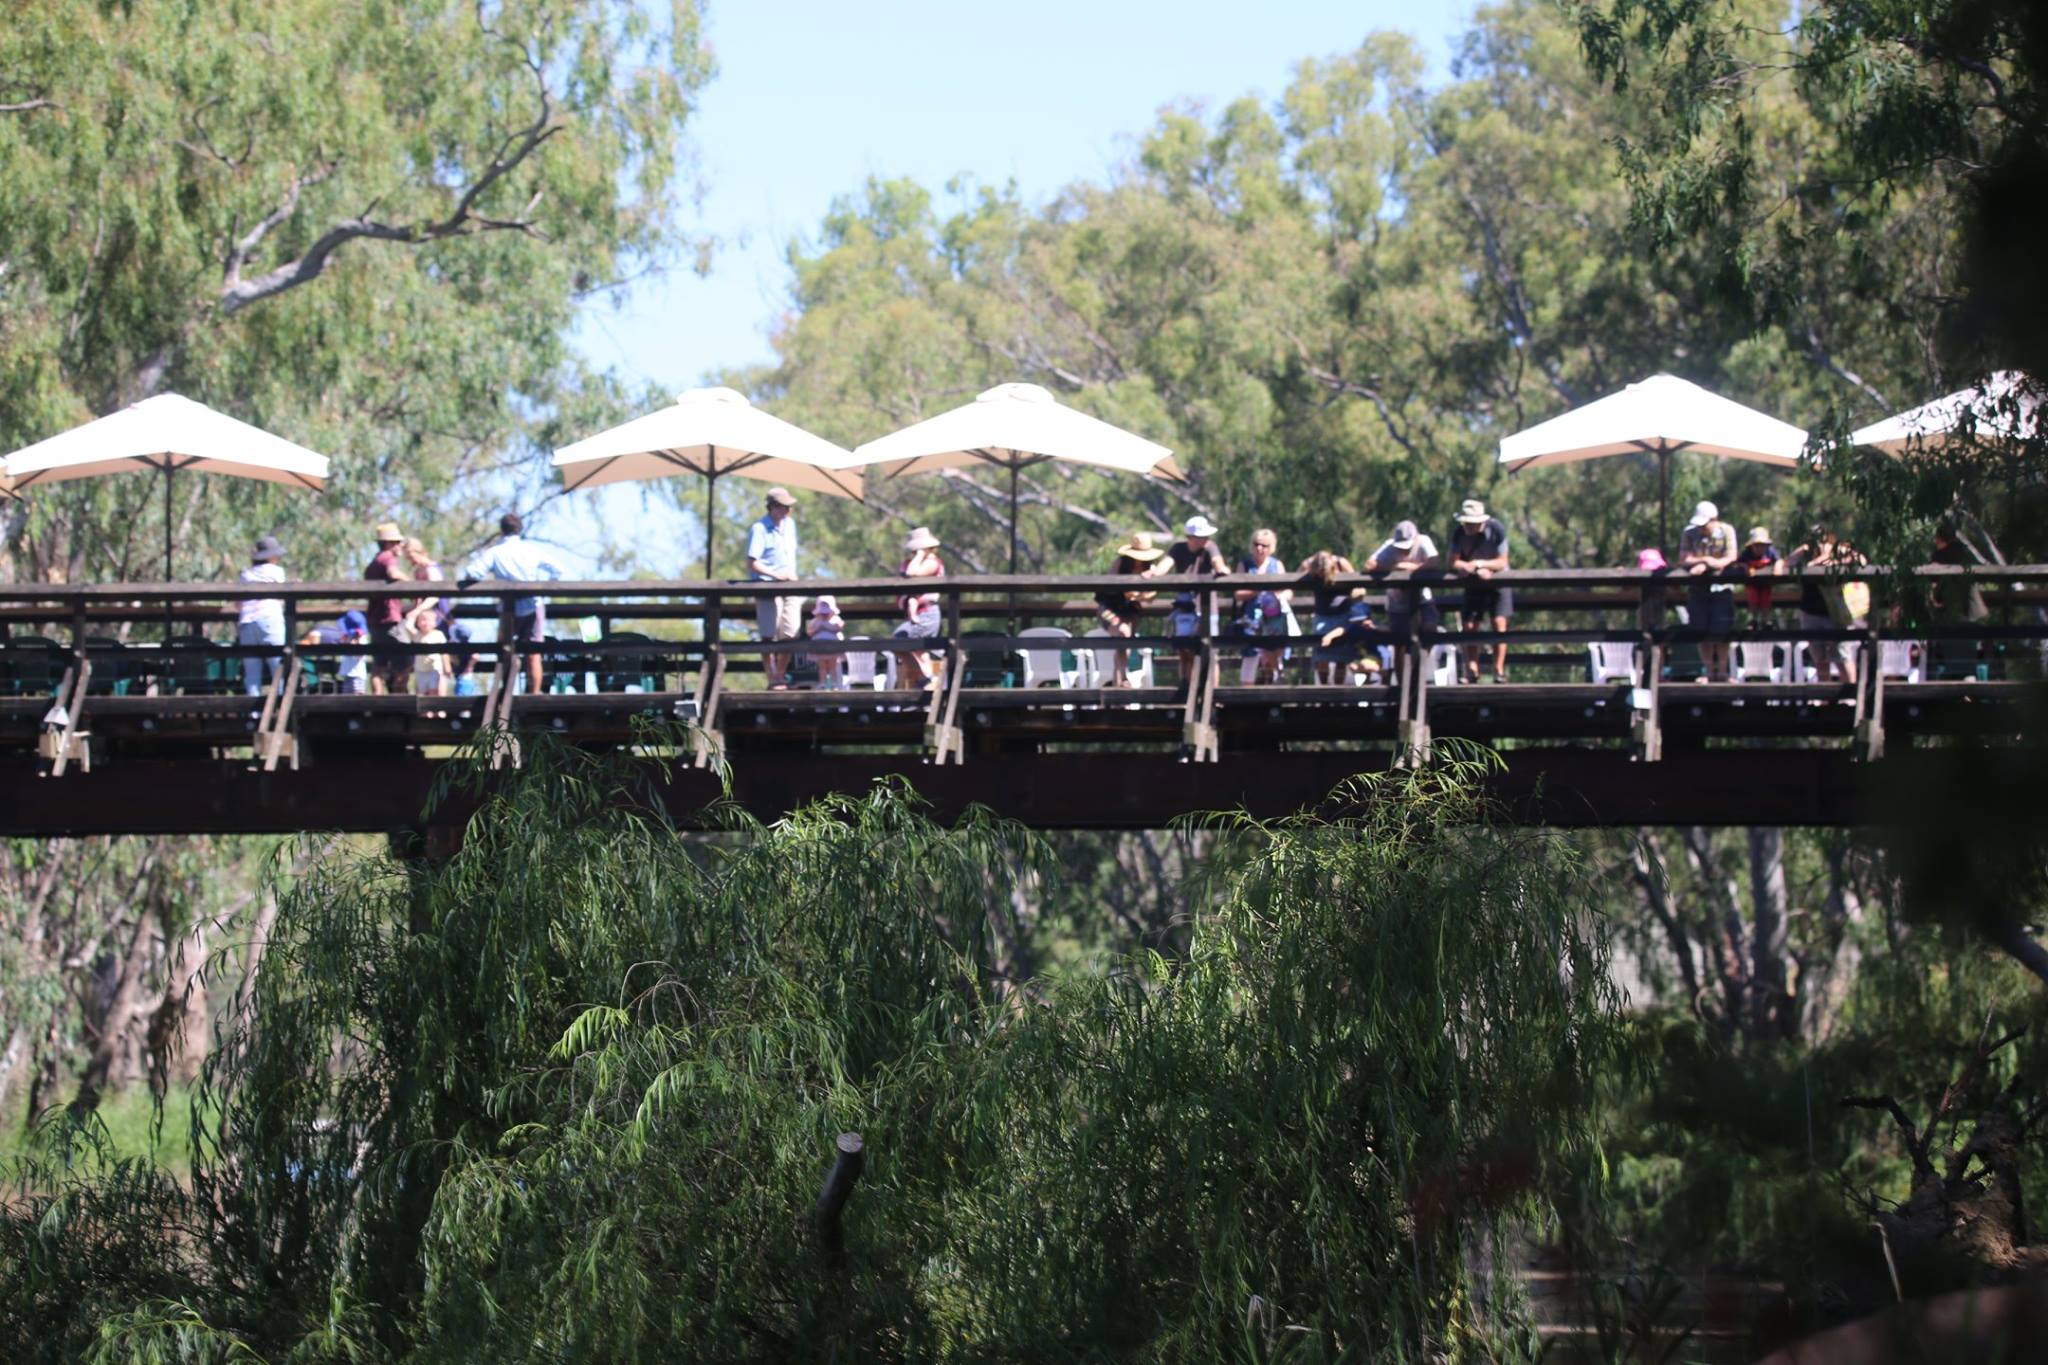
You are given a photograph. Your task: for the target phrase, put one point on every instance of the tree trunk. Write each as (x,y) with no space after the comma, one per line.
(177,1026)
(1821,1002)
(1771,999)
(115,1050)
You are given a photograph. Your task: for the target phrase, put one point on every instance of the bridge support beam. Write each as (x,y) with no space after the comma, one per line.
(1556,786)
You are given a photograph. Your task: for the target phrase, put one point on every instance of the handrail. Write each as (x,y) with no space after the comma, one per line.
(359,590)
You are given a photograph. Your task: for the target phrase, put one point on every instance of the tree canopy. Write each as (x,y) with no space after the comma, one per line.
(364,226)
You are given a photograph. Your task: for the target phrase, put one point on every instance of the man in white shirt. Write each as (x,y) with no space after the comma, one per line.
(261,619)
(515,559)
(771,558)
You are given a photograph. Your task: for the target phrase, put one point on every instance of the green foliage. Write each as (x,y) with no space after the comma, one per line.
(569,1095)
(363,225)
(1333,306)
(1813,156)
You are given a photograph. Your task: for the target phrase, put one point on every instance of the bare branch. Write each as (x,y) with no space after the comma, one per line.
(287,204)
(28,106)
(1916,1142)
(462,219)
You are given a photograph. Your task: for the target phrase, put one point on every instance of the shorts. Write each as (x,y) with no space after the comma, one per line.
(923,626)
(1759,595)
(531,629)
(779,618)
(1111,620)
(387,644)
(1838,650)
(1712,611)
(1482,605)
(1398,622)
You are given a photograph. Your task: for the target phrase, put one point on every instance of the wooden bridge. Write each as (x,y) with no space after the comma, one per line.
(118,713)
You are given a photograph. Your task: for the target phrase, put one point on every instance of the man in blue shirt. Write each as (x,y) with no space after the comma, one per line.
(771,558)
(515,559)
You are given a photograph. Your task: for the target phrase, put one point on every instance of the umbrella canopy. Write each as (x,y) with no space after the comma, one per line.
(1661,415)
(2004,409)
(1014,426)
(712,432)
(173,434)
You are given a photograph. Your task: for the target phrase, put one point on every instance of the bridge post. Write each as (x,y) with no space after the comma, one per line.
(1411,728)
(1646,728)
(1869,742)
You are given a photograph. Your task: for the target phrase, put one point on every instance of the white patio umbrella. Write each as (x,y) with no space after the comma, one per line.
(714,432)
(1014,426)
(1661,415)
(2005,409)
(171,433)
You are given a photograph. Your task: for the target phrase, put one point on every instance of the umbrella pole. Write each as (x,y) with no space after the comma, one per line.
(168,469)
(1013,518)
(1664,497)
(1010,616)
(710,492)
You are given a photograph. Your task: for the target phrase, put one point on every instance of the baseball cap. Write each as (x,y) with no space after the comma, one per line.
(1703,514)
(779,497)
(1404,535)
(1199,526)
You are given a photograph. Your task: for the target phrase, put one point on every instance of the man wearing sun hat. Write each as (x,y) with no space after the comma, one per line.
(388,670)
(1197,553)
(1479,550)
(1407,548)
(1706,548)
(260,620)
(771,558)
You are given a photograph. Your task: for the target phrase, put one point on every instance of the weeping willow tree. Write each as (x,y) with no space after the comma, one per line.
(569,1094)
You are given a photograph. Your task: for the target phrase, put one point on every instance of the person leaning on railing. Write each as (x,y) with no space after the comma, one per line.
(1118,608)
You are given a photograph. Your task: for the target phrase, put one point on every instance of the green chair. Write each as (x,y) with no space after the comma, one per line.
(986,667)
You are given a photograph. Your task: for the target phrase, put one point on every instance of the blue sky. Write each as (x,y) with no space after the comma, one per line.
(814,96)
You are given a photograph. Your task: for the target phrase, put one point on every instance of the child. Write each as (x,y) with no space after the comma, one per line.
(1760,560)
(1357,622)
(828,624)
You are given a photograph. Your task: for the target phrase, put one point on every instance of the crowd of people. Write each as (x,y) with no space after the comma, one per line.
(1345,640)
(392,622)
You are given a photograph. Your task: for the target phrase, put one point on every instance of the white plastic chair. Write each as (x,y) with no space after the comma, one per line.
(1104,665)
(1754,661)
(860,668)
(1895,660)
(1043,666)
(1443,665)
(1610,661)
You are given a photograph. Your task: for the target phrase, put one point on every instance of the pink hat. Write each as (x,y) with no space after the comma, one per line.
(1649,561)
(824,606)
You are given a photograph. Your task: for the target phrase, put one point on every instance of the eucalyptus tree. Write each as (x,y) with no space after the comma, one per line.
(367,226)
(1935,144)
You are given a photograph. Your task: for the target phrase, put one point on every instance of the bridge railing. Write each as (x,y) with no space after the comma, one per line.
(684,621)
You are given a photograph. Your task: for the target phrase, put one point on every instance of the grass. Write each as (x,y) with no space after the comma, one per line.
(131,1129)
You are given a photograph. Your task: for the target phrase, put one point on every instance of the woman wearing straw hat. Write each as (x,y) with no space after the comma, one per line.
(1118,609)
(921,616)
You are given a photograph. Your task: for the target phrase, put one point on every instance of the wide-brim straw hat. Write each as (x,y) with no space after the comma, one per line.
(921,538)
(1140,548)
(388,530)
